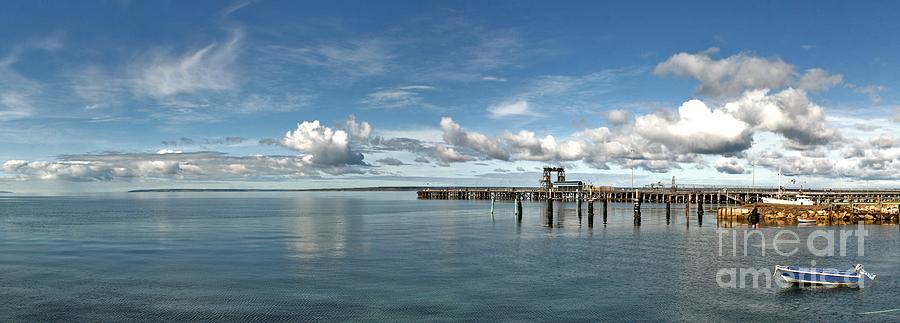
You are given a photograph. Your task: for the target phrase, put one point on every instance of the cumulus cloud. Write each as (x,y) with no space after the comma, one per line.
(696,129)
(789,113)
(596,147)
(449,155)
(797,164)
(817,79)
(731,76)
(359,131)
(517,108)
(618,117)
(323,145)
(205,69)
(729,165)
(454,134)
(526,146)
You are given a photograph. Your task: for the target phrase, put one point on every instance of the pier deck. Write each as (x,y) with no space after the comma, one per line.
(705,195)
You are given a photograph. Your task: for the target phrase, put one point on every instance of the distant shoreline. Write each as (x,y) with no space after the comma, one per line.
(5,192)
(345,189)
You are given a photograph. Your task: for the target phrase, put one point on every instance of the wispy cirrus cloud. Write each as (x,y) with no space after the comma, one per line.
(399,97)
(209,68)
(17,92)
(353,58)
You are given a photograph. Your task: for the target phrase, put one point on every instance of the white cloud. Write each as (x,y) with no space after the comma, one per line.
(323,145)
(359,131)
(168,166)
(399,97)
(817,79)
(696,129)
(517,108)
(729,165)
(234,7)
(728,76)
(454,134)
(493,78)
(15,105)
(526,146)
(206,69)
(450,155)
(871,91)
(789,113)
(359,58)
(19,93)
(618,117)
(731,76)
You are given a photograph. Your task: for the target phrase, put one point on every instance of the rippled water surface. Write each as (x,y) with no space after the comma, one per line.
(390,257)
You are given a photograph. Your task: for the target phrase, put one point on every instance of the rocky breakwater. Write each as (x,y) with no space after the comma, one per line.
(829,213)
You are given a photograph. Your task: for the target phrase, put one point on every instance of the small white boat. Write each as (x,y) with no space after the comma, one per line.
(827,277)
(806,219)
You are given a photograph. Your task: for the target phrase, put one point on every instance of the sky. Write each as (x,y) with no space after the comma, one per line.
(106,96)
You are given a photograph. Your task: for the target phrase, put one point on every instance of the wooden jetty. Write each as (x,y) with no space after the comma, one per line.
(706,195)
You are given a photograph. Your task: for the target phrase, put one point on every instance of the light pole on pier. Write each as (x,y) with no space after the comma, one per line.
(631,155)
(753,172)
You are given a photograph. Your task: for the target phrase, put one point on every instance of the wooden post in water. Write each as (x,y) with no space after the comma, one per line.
(668,209)
(579,211)
(700,211)
(637,208)
(549,213)
(590,213)
(518,208)
(605,206)
(492,207)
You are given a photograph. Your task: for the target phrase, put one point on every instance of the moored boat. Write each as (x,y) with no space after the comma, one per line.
(827,277)
(800,200)
(806,219)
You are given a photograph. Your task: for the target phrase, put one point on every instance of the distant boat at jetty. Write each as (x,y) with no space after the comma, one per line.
(800,200)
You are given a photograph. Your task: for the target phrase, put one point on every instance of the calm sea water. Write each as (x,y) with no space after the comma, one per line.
(389,257)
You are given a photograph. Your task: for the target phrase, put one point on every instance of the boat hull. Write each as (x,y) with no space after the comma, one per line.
(819,277)
(767,200)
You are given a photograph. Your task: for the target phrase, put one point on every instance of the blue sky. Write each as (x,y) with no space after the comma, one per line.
(111,95)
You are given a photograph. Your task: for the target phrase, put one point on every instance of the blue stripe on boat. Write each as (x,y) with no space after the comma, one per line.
(849,272)
(821,278)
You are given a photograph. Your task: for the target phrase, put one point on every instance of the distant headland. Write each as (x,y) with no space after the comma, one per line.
(345,189)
